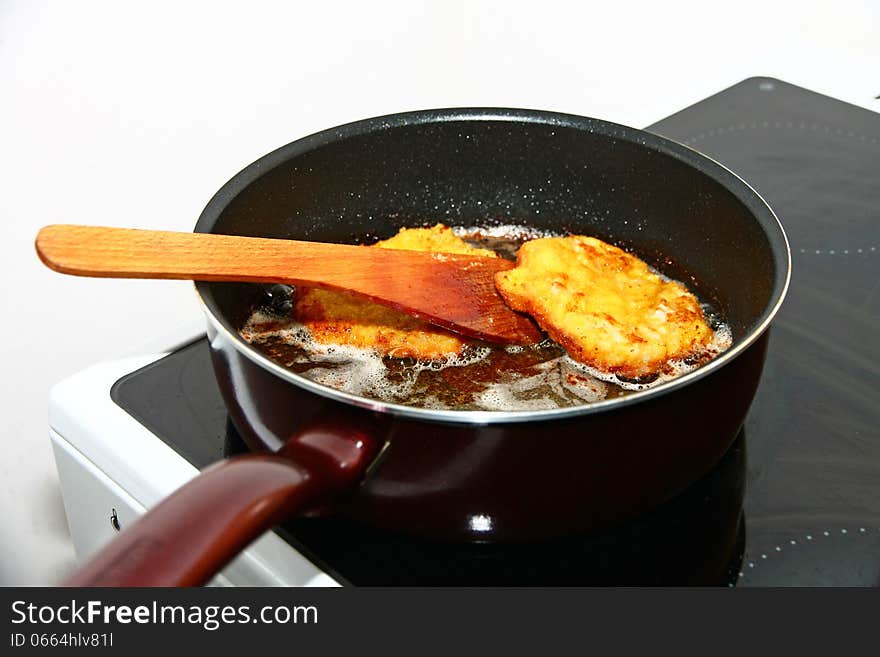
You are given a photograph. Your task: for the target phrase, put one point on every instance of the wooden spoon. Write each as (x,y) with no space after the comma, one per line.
(453,291)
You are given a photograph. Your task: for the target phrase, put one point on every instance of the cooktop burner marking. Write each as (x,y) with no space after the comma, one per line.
(778,548)
(871,249)
(791,125)
(809,537)
(778,125)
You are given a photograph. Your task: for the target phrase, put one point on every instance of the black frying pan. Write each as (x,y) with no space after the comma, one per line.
(468,475)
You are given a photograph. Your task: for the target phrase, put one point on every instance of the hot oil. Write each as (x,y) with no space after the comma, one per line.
(483,377)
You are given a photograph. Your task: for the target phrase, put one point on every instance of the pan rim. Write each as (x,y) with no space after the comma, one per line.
(733,183)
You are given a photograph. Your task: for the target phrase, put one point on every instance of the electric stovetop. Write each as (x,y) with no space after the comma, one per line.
(796,501)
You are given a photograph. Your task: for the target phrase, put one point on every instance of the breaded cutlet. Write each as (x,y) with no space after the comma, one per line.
(606,307)
(346,319)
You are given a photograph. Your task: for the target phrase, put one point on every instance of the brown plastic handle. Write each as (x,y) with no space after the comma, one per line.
(191,535)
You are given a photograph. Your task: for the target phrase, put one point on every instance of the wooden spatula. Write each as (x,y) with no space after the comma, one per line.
(453,291)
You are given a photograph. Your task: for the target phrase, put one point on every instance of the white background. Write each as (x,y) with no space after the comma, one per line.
(133,114)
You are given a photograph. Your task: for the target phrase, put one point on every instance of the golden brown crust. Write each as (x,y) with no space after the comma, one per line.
(437,239)
(605,306)
(345,319)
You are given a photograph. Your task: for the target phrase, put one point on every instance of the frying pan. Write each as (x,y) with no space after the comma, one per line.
(454,474)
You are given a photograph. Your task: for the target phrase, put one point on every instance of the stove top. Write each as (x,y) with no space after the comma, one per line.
(796,501)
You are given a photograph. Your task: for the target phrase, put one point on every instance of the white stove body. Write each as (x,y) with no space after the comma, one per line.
(112,469)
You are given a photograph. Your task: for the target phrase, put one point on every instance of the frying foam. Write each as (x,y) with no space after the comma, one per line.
(504,231)
(350,369)
(364,372)
(554,383)
(544,390)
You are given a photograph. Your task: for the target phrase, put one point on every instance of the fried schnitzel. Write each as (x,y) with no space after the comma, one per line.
(342,318)
(606,307)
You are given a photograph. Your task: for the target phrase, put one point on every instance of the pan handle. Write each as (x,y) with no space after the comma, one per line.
(191,535)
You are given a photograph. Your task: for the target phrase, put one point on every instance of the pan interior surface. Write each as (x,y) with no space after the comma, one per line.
(684,214)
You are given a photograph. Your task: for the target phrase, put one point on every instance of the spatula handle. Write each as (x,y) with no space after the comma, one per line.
(135,253)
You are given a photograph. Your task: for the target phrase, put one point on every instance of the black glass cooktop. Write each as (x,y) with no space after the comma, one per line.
(795,502)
